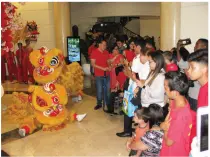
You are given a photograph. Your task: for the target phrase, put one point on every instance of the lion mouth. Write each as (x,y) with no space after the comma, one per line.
(41,102)
(44,71)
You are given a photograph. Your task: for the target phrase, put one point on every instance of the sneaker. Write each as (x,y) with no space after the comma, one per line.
(80,117)
(97,107)
(22,132)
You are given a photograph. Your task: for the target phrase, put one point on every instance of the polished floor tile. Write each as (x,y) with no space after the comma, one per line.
(94,136)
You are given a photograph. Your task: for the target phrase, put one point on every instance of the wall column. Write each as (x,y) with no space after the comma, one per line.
(169,24)
(62,24)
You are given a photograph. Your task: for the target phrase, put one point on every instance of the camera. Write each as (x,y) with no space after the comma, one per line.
(185,41)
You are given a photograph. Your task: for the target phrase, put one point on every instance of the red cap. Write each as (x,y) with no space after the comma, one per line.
(171,67)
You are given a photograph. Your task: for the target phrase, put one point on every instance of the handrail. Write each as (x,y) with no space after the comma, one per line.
(128,32)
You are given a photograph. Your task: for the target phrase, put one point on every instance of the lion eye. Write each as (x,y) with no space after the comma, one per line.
(54,61)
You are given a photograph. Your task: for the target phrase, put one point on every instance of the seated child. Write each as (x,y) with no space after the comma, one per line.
(179,121)
(170,66)
(141,129)
(149,145)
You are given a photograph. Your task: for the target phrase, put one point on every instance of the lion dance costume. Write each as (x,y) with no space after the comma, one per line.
(48,100)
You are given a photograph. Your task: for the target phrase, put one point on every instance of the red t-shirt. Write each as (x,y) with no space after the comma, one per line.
(179,132)
(20,54)
(101,59)
(203,96)
(129,55)
(91,49)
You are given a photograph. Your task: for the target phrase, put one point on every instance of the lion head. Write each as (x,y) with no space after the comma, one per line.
(48,64)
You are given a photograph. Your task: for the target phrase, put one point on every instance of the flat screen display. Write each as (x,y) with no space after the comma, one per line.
(204,133)
(73,48)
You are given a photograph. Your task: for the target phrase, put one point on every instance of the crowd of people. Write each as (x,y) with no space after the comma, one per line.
(18,65)
(167,89)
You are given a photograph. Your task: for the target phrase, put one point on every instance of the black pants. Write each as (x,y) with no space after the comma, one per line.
(127,124)
(112,100)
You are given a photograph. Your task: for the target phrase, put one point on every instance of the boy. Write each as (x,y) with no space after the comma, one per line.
(177,139)
(170,66)
(198,70)
(141,129)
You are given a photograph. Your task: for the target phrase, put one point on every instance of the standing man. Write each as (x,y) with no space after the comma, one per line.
(27,66)
(184,65)
(11,65)
(142,71)
(100,62)
(19,56)
(120,44)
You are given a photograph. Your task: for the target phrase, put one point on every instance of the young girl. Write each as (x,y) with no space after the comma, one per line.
(141,129)
(150,143)
(153,87)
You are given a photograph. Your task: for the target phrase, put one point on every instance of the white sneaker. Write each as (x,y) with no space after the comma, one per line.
(79,98)
(22,132)
(80,117)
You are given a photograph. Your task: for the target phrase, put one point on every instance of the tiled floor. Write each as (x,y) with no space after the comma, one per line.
(94,136)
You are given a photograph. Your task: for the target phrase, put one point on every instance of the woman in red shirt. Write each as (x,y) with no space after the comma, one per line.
(116,59)
(129,53)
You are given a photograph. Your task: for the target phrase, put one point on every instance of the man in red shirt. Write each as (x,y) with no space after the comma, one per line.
(100,62)
(11,65)
(90,50)
(27,66)
(178,124)
(20,55)
(198,70)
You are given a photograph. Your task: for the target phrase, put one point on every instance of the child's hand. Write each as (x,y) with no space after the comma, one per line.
(130,140)
(128,146)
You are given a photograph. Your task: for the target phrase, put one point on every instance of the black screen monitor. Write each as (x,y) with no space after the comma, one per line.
(73,50)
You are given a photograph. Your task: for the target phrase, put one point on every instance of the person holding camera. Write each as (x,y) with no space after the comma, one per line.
(182,55)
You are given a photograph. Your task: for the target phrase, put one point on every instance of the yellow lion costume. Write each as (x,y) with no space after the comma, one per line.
(48,100)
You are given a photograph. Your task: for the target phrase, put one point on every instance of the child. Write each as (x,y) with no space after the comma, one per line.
(176,141)
(198,70)
(170,66)
(141,129)
(149,144)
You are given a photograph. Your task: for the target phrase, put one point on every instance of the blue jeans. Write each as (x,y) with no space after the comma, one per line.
(103,90)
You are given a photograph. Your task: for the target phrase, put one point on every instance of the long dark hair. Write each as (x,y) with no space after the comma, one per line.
(157,57)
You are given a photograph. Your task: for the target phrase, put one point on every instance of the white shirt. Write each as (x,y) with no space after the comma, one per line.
(135,68)
(155,92)
(142,69)
(193,91)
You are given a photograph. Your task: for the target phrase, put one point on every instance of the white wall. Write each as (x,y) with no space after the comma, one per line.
(134,26)
(42,14)
(103,9)
(85,14)
(194,22)
(150,27)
